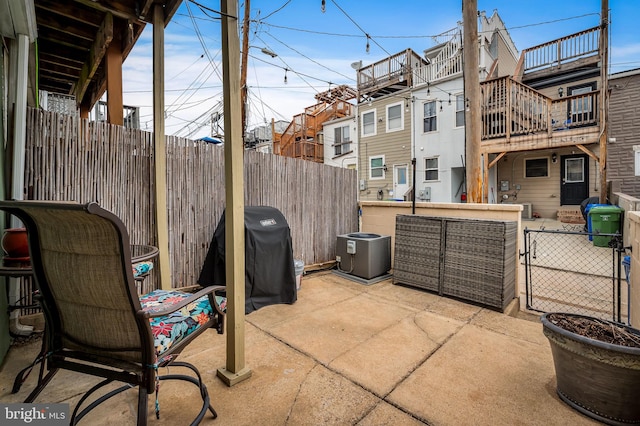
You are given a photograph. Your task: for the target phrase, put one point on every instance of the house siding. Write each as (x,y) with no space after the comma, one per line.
(542,192)
(624,126)
(506,61)
(394,145)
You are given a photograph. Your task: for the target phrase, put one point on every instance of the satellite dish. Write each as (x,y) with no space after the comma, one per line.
(356,65)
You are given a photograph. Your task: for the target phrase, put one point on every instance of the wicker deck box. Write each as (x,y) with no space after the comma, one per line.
(469,259)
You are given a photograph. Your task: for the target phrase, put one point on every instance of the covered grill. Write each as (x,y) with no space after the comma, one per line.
(269,268)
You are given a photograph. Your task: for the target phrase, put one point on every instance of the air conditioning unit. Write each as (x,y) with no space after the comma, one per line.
(364,255)
(527,211)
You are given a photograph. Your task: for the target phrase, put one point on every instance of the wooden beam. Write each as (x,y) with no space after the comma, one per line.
(104,36)
(235,370)
(160,149)
(115,106)
(604,97)
(588,152)
(495,160)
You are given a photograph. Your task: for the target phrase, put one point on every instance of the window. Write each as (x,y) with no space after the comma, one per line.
(581,109)
(376,167)
(536,167)
(342,141)
(430,124)
(636,153)
(431,168)
(460,110)
(394,117)
(369,123)
(574,170)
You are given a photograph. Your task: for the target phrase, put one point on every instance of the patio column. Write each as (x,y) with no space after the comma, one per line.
(159,147)
(235,370)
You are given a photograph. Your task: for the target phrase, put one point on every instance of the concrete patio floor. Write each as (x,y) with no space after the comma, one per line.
(353,354)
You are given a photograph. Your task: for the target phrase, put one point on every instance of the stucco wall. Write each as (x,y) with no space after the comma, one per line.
(628,204)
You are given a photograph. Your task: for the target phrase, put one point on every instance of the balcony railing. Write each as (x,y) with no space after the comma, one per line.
(394,69)
(510,108)
(447,63)
(554,53)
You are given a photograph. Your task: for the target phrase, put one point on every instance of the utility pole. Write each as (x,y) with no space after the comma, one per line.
(472,100)
(243,69)
(604,96)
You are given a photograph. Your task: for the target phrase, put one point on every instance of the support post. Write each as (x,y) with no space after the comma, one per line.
(114,83)
(235,370)
(160,148)
(604,97)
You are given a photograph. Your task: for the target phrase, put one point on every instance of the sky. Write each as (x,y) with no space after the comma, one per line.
(315,49)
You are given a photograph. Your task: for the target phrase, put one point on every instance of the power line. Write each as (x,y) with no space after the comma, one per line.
(306,57)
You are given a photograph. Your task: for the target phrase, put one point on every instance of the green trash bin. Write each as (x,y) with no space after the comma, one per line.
(604,220)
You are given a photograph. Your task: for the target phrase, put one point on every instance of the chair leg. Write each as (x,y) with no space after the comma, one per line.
(42,382)
(204,394)
(143,399)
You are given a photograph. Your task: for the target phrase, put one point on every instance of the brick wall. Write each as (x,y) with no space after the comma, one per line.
(624,126)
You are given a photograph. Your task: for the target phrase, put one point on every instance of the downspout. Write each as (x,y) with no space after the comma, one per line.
(17,173)
(413,160)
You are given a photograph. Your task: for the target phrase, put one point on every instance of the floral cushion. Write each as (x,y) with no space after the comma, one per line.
(141,268)
(171,329)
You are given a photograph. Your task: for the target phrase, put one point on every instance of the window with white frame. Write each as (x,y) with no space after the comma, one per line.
(376,167)
(636,155)
(394,117)
(341,140)
(369,123)
(431,168)
(536,167)
(430,119)
(460,110)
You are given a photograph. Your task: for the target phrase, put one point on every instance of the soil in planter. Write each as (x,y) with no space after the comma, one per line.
(593,328)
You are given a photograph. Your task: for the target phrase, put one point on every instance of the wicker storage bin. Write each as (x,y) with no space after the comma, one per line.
(470,259)
(479,261)
(417,251)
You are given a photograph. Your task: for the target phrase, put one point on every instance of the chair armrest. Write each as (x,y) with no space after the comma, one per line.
(207,291)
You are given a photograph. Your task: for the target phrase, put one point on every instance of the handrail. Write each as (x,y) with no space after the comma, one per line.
(554,53)
(510,108)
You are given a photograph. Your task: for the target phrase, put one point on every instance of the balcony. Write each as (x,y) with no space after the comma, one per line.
(300,139)
(390,74)
(577,52)
(516,117)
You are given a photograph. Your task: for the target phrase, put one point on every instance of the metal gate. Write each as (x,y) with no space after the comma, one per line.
(566,272)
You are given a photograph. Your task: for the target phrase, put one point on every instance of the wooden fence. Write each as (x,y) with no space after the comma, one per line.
(68,158)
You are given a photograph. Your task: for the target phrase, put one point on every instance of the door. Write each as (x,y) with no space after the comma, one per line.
(581,108)
(400,181)
(574,179)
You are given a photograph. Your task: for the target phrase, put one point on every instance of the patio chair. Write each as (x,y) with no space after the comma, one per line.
(95,321)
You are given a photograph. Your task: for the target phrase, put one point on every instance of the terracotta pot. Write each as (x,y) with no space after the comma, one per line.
(14,243)
(601,380)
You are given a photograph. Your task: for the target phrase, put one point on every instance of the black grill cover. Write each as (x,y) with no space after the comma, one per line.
(270,275)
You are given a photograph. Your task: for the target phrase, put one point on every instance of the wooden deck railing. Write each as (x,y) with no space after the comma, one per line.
(395,68)
(447,63)
(300,140)
(510,108)
(554,53)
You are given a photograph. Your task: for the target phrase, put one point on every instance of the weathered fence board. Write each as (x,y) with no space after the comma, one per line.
(68,158)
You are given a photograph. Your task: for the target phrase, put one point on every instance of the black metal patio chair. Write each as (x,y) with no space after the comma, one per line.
(95,321)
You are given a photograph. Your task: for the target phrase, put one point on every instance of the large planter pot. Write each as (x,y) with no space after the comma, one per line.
(601,380)
(14,242)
